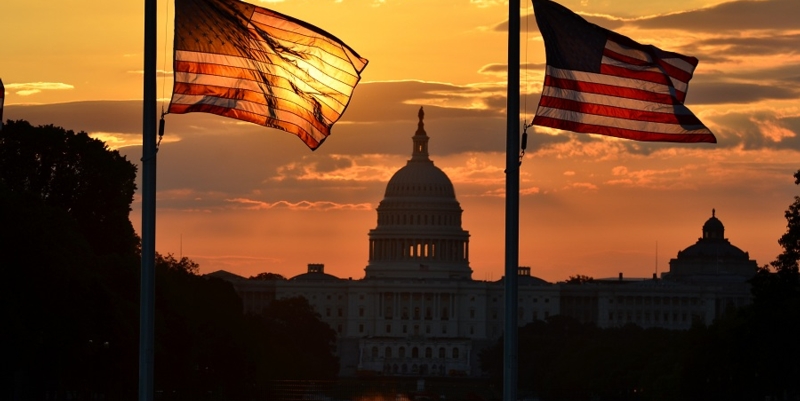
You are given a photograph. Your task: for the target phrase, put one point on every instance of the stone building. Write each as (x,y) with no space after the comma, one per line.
(418,311)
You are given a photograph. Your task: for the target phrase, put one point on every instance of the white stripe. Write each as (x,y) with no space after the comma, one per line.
(614,122)
(608,80)
(333,61)
(317,83)
(250,107)
(628,51)
(615,101)
(644,56)
(281,94)
(680,64)
(677,83)
(335,100)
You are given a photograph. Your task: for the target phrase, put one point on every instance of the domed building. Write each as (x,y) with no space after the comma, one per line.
(418,312)
(419,232)
(712,258)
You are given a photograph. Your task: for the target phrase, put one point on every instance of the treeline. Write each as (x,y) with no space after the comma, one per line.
(69,295)
(749,354)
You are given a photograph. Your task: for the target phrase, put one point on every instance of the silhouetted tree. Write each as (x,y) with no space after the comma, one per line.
(579,279)
(74,173)
(266,276)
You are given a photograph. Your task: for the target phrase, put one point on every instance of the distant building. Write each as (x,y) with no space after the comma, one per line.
(418,311)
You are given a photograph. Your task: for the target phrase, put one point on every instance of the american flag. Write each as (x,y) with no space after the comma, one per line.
(600,82)
(253,64)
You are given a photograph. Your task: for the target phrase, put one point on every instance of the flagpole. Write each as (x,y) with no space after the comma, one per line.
(147,286)
(510,376)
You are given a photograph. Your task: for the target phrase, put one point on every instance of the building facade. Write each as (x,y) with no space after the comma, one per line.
(418,311)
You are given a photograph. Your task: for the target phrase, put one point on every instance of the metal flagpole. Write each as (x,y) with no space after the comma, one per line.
(149,117)
(510,376)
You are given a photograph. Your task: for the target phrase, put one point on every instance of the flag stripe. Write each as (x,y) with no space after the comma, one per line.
(623,132)
(336,92)
(615,122)
(605,89)
(258,113)
(642,74)
(675,73)
(246,62)
(619,112)
(187,93)
(597,81)
(218,75)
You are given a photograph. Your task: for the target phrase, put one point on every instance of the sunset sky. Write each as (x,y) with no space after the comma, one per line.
(249,199)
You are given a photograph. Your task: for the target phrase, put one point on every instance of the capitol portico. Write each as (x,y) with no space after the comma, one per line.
(418,311)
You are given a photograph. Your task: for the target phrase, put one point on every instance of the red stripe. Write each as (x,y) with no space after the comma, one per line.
(250,96)
(622,132)
(649,49)
(670,69)
(610,90)
(249,117)
(619,112)
(649,76)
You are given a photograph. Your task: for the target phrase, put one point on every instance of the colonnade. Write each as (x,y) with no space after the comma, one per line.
(449,250)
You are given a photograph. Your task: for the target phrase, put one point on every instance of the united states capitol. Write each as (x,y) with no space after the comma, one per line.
(418,311)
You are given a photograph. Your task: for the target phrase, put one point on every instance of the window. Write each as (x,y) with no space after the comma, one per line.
(441,352)
(339,312)
(388,328)
(415,352)
(374,352)
(455,353)
(388,352)
(328,312)
(361,312)
(360,328)
(405,329)
(472,313)
(428,352)
(401,352)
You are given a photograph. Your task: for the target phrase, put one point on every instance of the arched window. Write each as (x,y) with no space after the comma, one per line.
(428,352)
(441,353)
(402,352)
(455,353)
(414,352)
(388,352)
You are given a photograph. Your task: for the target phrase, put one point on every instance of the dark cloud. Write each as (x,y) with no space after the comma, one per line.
(731,16)
(528,22)
(722,92)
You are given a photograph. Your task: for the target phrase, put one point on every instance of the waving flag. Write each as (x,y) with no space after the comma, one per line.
(253,64)
(600,82)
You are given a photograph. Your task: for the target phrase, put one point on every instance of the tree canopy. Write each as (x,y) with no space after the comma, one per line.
(74,173)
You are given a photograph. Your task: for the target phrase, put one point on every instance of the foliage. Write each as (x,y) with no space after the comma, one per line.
(579,279)
(295,336)
(747,354)
(266,276)
(69,303)
(74,173)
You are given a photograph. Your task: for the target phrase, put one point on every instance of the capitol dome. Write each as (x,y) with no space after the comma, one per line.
(419,232)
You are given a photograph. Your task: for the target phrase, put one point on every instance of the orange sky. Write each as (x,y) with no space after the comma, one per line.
(250,199)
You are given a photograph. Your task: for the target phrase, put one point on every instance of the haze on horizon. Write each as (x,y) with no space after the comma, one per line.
(248,199)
